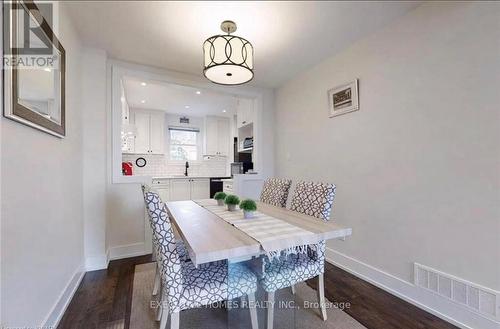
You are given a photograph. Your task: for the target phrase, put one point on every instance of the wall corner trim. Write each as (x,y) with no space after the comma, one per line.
(56,313)
(429,302)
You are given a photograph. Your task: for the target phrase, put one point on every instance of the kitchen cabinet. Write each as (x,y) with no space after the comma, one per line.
(189,189)
(149,137)
(217,136)
(162,186)
(181,189)
(200,188)
(244,112)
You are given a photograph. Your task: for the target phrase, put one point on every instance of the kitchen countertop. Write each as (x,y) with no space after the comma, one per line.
(184,177)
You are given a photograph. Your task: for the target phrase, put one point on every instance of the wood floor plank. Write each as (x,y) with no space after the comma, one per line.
(104,298)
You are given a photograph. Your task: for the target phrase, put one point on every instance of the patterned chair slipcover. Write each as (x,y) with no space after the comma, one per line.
(275,191)
(189,287)
(313,199)
(181,248)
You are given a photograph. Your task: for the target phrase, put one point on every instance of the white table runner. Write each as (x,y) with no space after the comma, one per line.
(275,235)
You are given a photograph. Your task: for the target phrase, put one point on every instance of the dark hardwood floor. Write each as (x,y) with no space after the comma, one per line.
(104,297)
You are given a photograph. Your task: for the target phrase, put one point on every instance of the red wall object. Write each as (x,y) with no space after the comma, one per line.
(127,168)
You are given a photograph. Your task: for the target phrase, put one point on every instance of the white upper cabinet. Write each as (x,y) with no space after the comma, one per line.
(223,136)
(217,136)
(149,137)
(244,112)
(156,126)
(211,136)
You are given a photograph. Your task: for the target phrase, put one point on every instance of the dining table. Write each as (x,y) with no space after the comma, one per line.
(209,236)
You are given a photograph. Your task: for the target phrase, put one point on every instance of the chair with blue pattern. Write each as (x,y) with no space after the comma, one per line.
(312,199)
(183,285)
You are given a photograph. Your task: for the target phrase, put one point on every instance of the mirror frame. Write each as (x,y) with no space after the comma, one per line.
(12,108)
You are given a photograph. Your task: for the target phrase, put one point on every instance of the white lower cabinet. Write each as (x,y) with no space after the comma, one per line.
(164,192)
(163,188)
(200,189)
(189,189)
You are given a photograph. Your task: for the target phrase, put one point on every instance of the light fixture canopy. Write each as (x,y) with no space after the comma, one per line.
(228,59)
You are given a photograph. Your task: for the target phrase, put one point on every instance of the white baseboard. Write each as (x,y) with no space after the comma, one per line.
(128,250)
(430,302)
(93,263)
(55,315)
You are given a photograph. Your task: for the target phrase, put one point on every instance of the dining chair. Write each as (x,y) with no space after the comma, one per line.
(181,249)
(275,191)
(186,286)
(313,199)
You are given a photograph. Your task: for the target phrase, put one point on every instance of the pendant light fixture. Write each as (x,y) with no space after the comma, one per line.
(228,59)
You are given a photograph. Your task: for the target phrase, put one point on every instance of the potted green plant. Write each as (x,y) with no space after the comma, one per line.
(232,201)
(220,196)
(248,206)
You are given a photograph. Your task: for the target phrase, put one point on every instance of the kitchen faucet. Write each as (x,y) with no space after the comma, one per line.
(186,171)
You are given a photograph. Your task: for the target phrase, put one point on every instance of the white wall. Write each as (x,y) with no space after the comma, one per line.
(417,167)
(41,207)
(94,156)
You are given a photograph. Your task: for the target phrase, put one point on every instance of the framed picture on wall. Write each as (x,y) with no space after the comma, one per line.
(343,99)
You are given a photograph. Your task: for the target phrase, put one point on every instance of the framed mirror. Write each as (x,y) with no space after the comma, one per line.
(34,68)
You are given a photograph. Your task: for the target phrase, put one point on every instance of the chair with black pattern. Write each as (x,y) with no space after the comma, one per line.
(275,191)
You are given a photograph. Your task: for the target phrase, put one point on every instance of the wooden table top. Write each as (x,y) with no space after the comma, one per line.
(209,238)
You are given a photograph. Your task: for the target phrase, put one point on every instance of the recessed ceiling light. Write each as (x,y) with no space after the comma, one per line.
(224,111)
(143,84)
(187,106)
(198,92)
(47,69)
(143,101)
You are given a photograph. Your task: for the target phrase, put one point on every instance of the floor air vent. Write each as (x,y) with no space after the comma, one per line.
(481,299)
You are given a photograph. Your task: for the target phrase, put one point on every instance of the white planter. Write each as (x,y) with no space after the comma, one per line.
(231,207)
(248,214)
(220,202)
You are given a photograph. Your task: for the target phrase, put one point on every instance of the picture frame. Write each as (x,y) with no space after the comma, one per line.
(343,99)
(33,95)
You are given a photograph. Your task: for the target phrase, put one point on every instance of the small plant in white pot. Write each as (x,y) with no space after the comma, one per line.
(248,206)
(220,196)
(232,201)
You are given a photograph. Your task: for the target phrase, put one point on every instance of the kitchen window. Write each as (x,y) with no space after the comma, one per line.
(183,143)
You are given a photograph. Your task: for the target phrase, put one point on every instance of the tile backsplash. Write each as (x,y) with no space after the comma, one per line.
(157,165)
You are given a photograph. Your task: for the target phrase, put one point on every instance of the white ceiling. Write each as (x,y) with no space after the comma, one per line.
(288,36)
(173,99)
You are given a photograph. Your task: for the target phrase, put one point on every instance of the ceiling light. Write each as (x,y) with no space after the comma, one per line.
(143,84)
(143,101)
(224,111)
(198,92)
(187,106)
(228,59)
